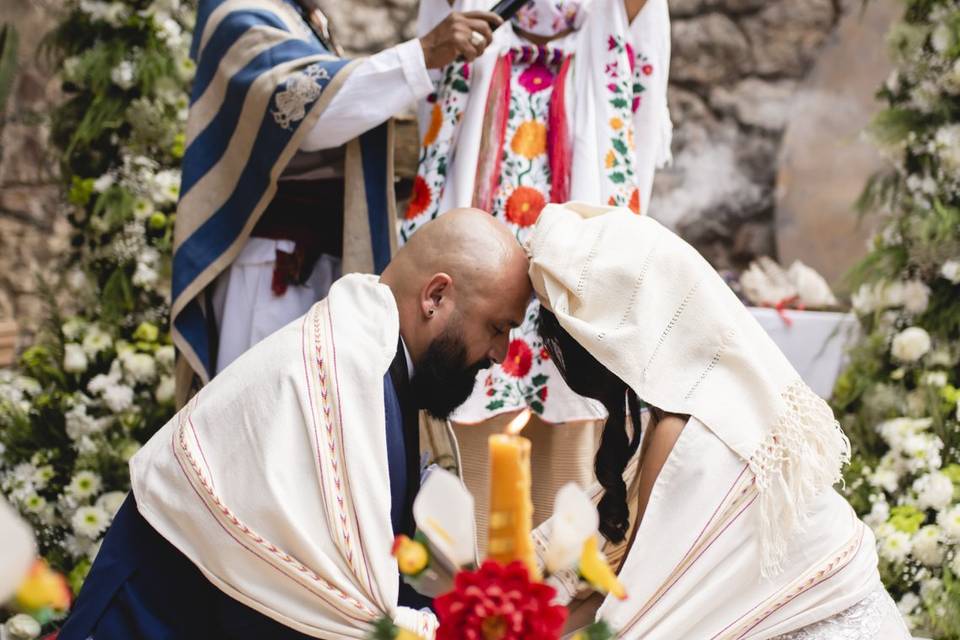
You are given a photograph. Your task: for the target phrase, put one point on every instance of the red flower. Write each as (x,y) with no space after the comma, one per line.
(524,206)
(537,77)
(519,359)
(499,603)
(420,199)
(611,44)
(647,69)
(542,393)
(491,392)
(544,354)
(631,58)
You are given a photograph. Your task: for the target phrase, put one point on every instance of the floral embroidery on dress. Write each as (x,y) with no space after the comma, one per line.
(623,97)
(300,89)
(448,103)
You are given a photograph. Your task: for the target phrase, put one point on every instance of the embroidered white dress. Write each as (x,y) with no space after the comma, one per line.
(631,68)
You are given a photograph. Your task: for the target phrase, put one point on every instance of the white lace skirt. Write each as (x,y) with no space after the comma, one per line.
(876,617)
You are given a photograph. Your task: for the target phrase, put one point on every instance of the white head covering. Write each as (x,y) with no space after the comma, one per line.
(649,307)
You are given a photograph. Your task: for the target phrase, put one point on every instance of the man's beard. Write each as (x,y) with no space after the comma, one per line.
(444,380)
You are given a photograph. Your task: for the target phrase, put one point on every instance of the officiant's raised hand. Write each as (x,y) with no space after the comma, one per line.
(460,34)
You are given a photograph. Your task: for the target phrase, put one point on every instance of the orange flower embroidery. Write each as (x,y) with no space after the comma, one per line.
(635,201)
(530,140)
(436,121)
(610,160)
(524,205)
(616,123)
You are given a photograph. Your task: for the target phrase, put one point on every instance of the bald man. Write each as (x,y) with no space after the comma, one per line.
(267,506)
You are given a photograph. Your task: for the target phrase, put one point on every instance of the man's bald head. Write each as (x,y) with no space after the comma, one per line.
(465,274)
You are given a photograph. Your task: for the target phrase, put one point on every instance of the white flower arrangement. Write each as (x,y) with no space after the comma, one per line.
(911,344)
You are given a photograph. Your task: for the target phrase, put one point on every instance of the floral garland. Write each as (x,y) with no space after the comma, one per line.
(98,381)
(898,400)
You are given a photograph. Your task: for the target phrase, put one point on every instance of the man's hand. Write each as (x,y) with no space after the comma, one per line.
(464,35)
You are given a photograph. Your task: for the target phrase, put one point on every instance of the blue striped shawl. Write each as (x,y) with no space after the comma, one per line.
(263,79)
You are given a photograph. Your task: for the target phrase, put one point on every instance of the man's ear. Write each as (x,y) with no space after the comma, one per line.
(435,296)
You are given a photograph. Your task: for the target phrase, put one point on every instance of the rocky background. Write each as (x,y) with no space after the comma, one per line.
(742,73)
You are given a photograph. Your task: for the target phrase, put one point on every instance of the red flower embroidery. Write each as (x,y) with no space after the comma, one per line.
(499,603)
(491,393)
(646,69)
(524,206)
(542,393)
(519,359)
(635,201)
(631,58)
(420,199)
(544,354)
(537,77)
(611,44)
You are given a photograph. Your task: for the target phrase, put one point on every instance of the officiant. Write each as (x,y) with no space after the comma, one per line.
(288,172)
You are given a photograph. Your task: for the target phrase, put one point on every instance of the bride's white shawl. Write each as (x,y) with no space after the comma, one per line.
(743,536)
(273,480)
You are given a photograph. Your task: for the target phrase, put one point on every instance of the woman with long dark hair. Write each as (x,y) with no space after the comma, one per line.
(717,507)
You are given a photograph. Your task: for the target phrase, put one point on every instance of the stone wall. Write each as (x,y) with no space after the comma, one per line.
(736,64)
(33,231)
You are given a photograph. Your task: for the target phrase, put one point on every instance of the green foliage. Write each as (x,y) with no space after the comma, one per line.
(98,380)
(897,400)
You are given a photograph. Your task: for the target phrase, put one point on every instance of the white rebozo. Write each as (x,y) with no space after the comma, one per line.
(744,536)
(273,479)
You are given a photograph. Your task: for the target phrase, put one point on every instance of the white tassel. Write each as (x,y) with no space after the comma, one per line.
(802,455)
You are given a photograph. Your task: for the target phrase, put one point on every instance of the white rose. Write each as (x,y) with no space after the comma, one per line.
(926,545)
(74,358)
(949,521)
(165,355)
(866,299)
(111,502)
(118,398)
(22,627)
(910,344)
(89,522)
(916,296)
(140,367)
(951,271)
(934,490)
(166,389)
(942,37)
(891,294)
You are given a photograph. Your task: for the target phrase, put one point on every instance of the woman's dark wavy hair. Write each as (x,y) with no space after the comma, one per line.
(586,376)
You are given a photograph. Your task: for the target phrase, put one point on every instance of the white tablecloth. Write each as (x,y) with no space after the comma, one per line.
(815,342)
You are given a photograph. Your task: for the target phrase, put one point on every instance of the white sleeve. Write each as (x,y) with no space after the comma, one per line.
(379,88)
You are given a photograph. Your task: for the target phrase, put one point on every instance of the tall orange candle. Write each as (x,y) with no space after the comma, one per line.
(511,509)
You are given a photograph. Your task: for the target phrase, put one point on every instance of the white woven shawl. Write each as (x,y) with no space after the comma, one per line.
(273,480)
(653,311)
